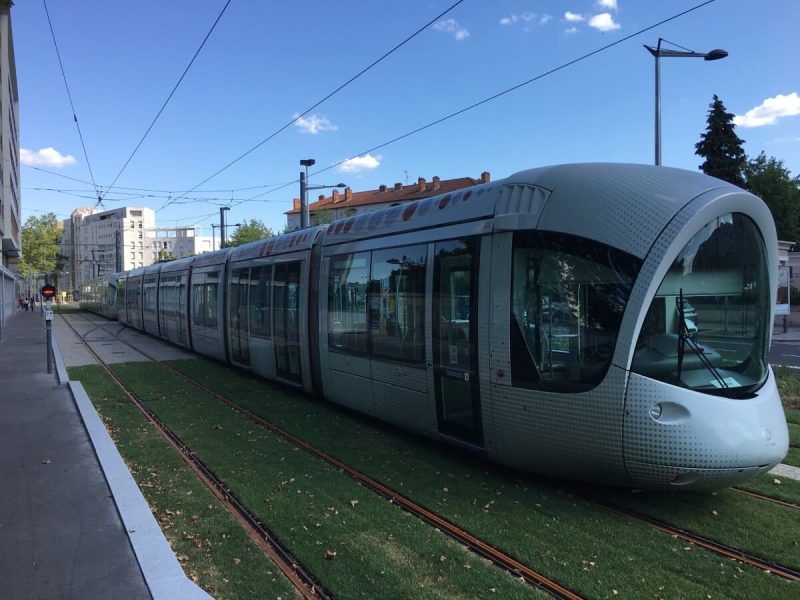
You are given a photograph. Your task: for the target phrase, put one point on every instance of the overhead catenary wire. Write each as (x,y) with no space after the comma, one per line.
(328,96)
(71,104)
(138,189)
(493,97)
(519,85)
(583,57)
(175,87)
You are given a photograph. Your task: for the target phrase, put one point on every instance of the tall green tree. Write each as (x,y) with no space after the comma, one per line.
(40,239)
(250,231)
(768,179)
(721,147)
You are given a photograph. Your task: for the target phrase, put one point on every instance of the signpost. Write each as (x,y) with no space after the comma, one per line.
(48,292)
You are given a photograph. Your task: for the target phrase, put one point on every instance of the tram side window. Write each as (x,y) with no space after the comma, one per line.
(397,303)
(204,302)
(150,294)
(121,293)
(260,301)
(198,301)
(568,297)
(211,300)
(238,299)
(347,302)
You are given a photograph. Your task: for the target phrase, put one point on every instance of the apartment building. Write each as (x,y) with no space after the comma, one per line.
(98,243)
(10,208)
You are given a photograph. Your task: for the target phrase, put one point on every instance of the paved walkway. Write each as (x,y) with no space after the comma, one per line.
(72,524)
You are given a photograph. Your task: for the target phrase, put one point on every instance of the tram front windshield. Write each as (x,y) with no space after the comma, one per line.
(706,328)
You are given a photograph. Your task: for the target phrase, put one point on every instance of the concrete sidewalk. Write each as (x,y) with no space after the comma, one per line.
(72,523)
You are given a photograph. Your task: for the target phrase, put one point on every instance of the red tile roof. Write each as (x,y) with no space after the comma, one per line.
(390,195)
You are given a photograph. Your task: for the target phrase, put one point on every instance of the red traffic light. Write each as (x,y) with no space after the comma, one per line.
(48,292)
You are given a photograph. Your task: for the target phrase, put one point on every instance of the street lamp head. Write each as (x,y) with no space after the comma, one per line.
(225,208)
(716,54)
(341,185)
(308,162)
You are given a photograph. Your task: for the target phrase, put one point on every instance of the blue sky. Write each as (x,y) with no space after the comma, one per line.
(266,62)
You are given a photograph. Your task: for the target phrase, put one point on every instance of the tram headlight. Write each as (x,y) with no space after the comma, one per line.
(655,412)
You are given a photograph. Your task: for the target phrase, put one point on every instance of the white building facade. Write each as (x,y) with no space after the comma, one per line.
(10,206)
(99,243)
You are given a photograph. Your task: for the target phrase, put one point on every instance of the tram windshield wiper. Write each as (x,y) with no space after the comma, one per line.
(685,339)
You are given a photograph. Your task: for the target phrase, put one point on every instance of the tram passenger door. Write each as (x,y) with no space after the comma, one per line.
(286,311)
(454,339)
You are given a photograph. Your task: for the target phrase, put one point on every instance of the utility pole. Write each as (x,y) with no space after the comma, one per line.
(222,241)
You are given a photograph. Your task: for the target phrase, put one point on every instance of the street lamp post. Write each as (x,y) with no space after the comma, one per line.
(304,187)
(222,240)
(214,227)
(658,52)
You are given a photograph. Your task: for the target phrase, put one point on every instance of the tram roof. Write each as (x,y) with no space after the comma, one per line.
(622,205)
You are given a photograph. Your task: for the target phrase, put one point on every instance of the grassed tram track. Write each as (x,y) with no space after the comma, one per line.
(726,550)
(590,556)
(480,547)
(303,581)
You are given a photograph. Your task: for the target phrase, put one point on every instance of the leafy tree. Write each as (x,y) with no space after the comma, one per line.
(165,255)
(40,239)
(250,231)
(323,217)
(721,147)
(768,179)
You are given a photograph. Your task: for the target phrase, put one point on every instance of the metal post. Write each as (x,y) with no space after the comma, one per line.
(48,319)
(303,202)
(213,238)
(658,104)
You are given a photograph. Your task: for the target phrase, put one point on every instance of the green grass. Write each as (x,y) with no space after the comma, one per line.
(540,522)
(65,309)
(782,488)
(358,544)
(213,549)
(794,434)
(793,458)
(789,387)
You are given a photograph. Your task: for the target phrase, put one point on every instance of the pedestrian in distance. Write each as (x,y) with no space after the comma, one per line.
(21,302)
(25,304)
(33,304)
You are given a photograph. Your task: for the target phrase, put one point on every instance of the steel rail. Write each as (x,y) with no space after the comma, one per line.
(302,580)
(698,540)
(778,501)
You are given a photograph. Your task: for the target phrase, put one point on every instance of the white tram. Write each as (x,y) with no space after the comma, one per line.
(603,322)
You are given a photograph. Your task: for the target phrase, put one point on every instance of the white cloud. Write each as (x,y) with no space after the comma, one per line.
(452,26)
(313,124)
(518,18)
(46,157)
(604,22)
(360,163)
(573,17)
(571,30)
(770,111)
(607,4)
(545,19)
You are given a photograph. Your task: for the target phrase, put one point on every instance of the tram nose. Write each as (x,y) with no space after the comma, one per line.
(679,437)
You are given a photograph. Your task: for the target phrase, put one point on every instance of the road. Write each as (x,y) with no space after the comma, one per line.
(785,353)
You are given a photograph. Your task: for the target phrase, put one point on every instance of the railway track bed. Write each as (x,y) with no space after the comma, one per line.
(594,551)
